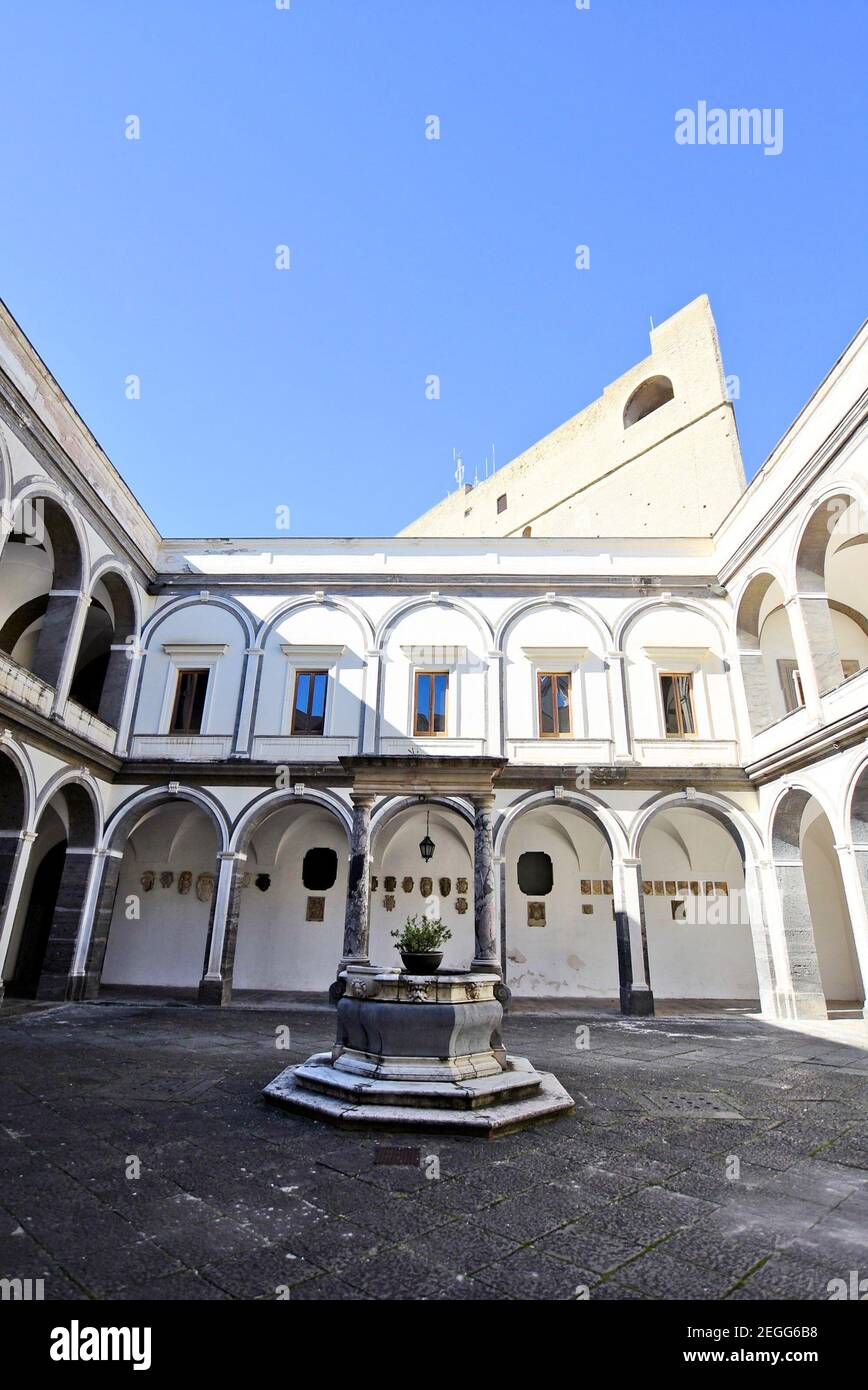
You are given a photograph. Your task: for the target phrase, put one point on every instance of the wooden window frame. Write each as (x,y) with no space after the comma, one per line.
(554,676)
(432,733)
(681,675)
(308,733)
(201,671)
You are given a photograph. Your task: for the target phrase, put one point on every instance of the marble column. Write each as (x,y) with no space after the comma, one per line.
(358,884)
(56,974)
(755,686)
(630,937)
(806,997)
(486,956)
(853,862)
(14,857)
(215,987)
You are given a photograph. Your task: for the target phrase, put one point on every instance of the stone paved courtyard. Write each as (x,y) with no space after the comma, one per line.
(628,1197)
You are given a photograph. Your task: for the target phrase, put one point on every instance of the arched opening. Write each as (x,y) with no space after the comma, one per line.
(12,821)
(770,673)
(292,899)
(40,578)
(697,921)
(103,663)
(648,397)
(817,926)
(832,576)
(404,885)
(157,929)
(48,915)
(564,941)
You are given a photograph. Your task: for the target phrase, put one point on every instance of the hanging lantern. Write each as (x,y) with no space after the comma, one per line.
(426,846)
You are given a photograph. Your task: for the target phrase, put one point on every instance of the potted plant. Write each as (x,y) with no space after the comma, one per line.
(418,943)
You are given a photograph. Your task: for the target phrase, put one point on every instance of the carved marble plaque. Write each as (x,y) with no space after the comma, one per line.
(445,885)
(462,886)
(389,902)
(407,884)
(426,887)
(461,905)
(315,910)
(536,914)
(390,883)
(185,882)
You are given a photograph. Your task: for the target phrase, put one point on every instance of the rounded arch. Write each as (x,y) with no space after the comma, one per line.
(66,530)
(5,469)
(17,755)
(785,816)
(736,822)
(749,602)
(294,605)
(81,778)
(230,605)
(461,605)
(258,811)
(125,817)
(646,605)
(110,566)
(603,818)
(393,806)
(527,605)
(818,519)
(856,804)
(647,397)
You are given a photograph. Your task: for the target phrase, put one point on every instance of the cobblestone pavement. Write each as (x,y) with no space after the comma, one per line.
(633,1196)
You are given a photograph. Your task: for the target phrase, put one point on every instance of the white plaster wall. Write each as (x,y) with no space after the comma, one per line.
(673,627)
(574,954)
(276,948)
(435,626)
(556,626)
(318,625)
(202,623)
(166,945)
(696,960)
(396,852)
(833,935)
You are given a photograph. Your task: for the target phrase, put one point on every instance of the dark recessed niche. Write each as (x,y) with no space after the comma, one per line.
(319,869)
(535,874)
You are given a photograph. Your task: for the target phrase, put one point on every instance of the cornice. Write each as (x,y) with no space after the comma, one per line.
(20,417)
(695,586)
(834,442)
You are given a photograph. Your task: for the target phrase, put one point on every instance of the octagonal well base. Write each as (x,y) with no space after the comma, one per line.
(420,1052)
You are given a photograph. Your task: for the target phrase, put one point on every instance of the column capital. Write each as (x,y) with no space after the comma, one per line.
(363,800)
(482,800)
(233,854)
(627,863)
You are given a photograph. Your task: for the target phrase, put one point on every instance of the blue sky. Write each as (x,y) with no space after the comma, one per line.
(306,127)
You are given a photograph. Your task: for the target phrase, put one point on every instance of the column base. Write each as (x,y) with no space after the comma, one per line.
(215,992)
(638,1002)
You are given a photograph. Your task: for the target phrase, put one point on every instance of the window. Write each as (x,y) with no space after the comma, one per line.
(535,873)
(308,710)
(648,397)
(850,667)
(319,869)
(189,702)
(429,714)
(677,692)
(554,690)
(501,503)
(791,684)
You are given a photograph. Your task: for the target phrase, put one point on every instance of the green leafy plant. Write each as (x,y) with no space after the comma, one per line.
(419,937)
